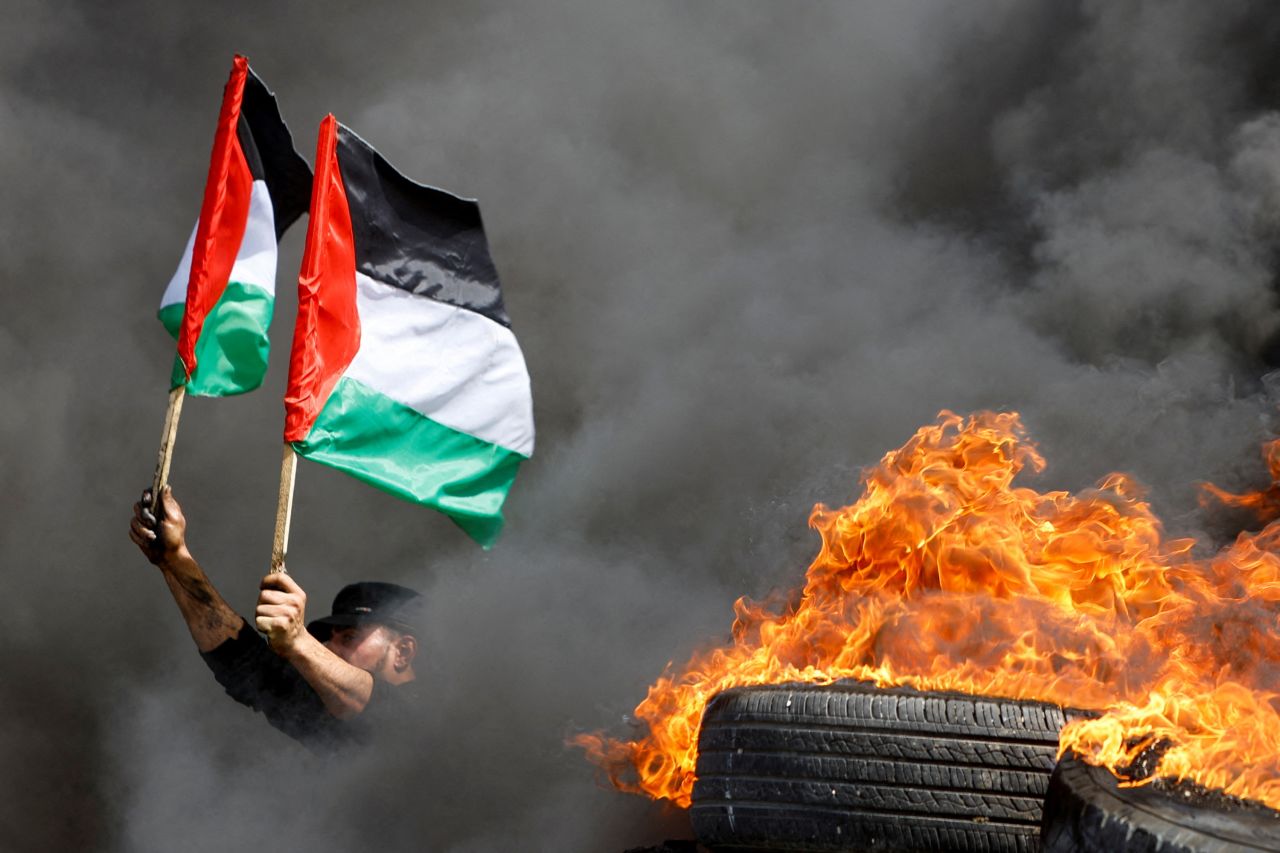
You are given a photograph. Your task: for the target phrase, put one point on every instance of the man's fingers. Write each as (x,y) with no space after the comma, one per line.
(274,609)
(281,581)
(287,612)
(272,581)
(270,622)
(139,529)
(281,608)
(142,509)
(275,596)
(280,624)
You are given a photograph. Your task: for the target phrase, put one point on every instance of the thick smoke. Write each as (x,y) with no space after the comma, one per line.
(747,247)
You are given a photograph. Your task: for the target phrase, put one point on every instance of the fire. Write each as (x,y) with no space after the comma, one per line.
(1264,504)
(946,576)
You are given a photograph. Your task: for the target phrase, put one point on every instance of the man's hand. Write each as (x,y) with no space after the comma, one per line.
(162,540)
(282,613)
(344,688)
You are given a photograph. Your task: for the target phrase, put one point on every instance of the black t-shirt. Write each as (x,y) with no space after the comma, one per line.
(254,675)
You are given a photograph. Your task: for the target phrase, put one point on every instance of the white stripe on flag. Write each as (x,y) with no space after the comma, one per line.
(255,262)
(455,366)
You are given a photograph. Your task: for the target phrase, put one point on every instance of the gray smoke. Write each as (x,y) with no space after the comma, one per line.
(748,247)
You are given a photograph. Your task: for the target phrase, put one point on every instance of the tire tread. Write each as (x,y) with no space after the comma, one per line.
(849,766)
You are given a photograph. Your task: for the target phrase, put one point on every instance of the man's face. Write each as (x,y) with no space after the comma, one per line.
(369,647)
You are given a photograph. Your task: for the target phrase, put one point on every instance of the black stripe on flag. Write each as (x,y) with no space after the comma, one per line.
(418,238)
(268,148)
(250,149)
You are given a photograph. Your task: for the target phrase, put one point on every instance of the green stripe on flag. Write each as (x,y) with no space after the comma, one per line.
(231,354)
(394,447)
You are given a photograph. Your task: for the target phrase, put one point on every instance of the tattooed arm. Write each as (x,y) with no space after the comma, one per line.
(209,618)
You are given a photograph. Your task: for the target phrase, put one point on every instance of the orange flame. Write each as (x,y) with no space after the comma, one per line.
(1264,504)
(945,576)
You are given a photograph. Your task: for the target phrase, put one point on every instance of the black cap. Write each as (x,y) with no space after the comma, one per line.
(389,604)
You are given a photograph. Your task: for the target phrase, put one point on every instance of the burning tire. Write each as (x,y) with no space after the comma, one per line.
(1086,810)
(850,766)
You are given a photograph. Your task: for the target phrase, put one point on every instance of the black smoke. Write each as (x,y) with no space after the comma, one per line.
(747,248)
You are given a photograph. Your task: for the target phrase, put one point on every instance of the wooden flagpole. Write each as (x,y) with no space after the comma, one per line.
(167,439)
(284,509)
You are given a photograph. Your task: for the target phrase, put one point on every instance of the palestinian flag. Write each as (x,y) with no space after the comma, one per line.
(218,304)
(404,370)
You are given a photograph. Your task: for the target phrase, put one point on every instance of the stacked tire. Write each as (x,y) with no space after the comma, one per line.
(850,766)
(853,767)
(1087,811)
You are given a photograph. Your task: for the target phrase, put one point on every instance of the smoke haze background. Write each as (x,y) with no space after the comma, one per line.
(747,248)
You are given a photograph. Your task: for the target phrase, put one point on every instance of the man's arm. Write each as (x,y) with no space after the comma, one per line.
(281,615)
(163,541)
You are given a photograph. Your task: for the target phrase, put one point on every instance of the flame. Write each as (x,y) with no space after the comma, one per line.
(945,576)
(1264,504)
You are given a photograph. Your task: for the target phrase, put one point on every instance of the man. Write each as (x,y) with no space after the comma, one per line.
(337,682)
